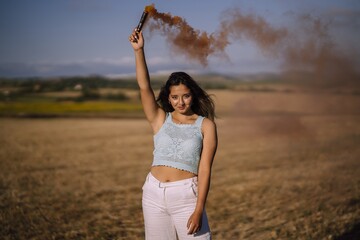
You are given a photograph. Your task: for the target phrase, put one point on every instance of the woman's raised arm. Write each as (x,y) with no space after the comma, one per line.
(154,114)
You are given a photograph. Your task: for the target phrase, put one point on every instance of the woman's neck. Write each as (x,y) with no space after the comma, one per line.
(184,118)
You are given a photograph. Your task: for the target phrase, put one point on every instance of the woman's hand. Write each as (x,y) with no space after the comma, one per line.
(136,39)
(194,222)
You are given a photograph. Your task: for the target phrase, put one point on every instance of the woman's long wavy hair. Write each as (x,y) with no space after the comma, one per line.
(202,103)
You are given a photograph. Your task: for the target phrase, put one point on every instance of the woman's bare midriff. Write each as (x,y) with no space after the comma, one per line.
(169,174)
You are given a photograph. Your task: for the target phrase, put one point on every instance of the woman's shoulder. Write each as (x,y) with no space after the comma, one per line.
(208,124)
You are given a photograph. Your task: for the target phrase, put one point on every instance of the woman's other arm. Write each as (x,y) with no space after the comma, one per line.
(204,173)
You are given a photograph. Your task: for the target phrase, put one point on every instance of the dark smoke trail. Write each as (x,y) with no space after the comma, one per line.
(184,38)
(238,26)
(304,47)
(312,49)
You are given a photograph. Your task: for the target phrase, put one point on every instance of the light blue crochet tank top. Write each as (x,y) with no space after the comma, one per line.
(178,145)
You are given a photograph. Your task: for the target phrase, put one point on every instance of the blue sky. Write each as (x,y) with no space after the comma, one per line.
(82,37)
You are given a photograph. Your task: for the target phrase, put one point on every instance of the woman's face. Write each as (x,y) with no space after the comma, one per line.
(180,98)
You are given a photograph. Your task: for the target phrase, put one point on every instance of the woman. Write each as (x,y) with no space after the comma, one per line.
(185,141)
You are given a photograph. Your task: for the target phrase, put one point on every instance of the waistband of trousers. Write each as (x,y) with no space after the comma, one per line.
(151,179)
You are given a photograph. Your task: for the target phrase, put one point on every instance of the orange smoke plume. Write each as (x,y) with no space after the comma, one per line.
(306,46)
(185,39)
(149,8)
(199,45)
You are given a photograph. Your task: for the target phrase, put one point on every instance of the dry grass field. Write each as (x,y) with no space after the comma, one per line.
(287,167)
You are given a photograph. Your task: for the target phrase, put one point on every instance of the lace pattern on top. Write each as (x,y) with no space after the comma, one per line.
(178,145)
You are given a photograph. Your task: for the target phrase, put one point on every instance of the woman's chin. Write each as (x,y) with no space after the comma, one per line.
(182,110)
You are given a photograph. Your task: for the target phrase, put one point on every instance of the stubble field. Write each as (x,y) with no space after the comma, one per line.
(287,167)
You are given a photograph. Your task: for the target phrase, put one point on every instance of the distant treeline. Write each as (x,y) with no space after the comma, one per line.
(14,88)
(35,84)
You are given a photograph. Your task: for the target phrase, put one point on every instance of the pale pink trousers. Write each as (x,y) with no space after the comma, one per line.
(167,207)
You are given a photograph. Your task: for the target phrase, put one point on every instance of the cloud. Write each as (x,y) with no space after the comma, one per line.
(101,66)
(17,69)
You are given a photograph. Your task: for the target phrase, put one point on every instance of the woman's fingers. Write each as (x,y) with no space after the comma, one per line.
(193,228)
(194,224)
(133,37)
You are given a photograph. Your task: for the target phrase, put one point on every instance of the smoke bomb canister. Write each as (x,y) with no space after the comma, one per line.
(142,21)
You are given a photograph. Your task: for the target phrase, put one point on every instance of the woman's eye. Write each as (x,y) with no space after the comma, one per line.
(174,97)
